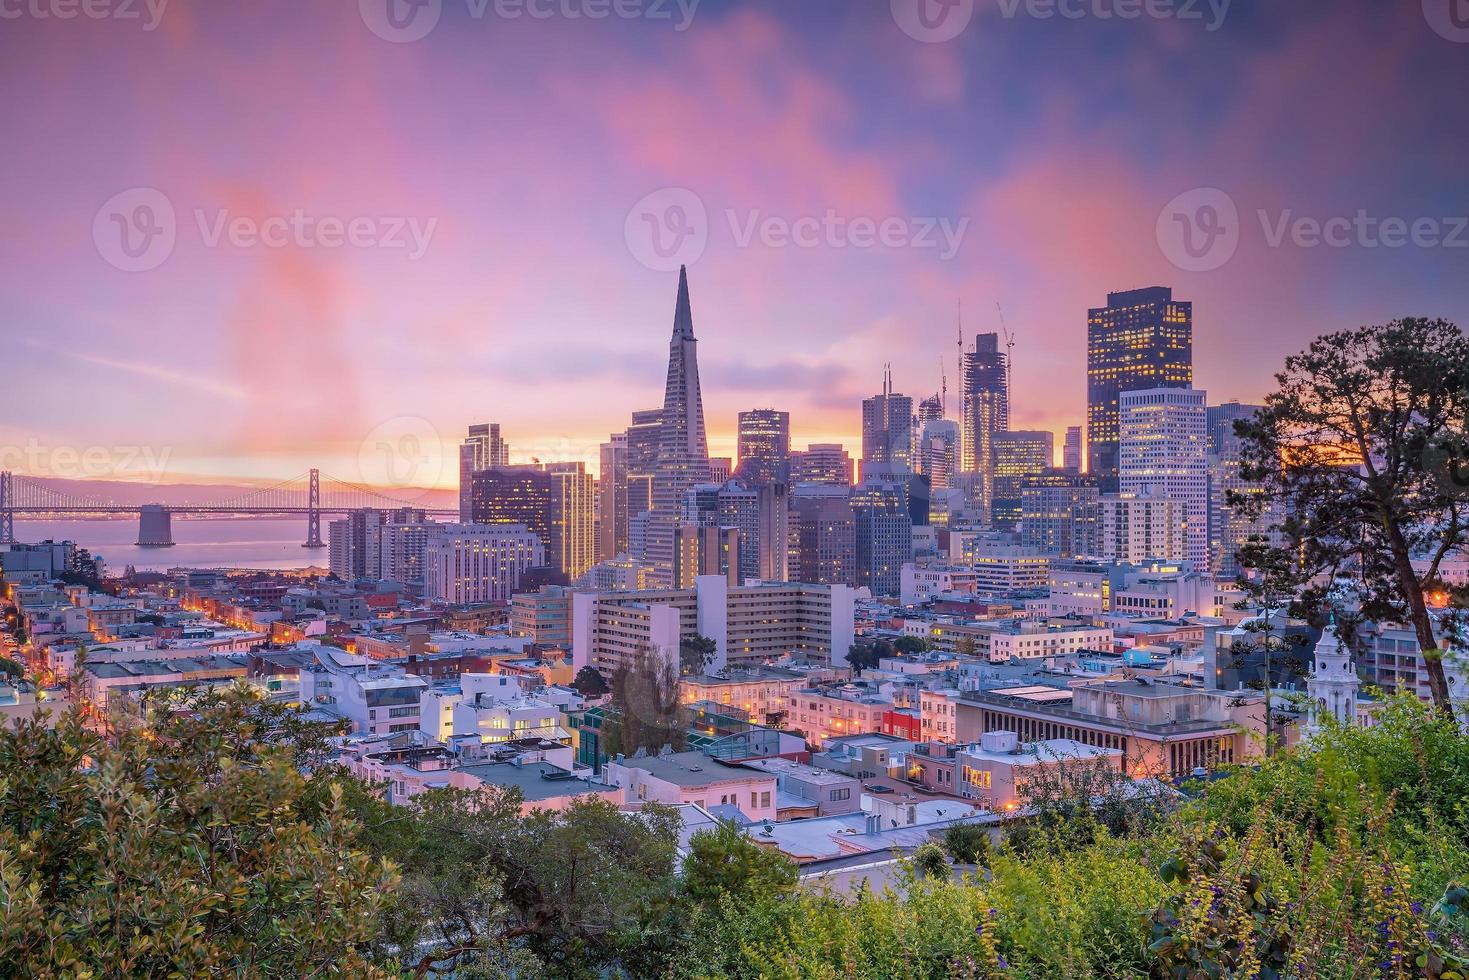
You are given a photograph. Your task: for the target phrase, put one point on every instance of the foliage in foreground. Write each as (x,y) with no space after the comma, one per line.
(190,843)
(182,846)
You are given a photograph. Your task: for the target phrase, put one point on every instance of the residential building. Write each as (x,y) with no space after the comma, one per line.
(694,778)
(1138,527)
(466,563)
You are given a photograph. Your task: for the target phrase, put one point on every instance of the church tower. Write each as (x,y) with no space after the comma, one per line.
(1333,683)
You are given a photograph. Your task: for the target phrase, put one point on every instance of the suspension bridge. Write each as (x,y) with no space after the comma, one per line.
(310,495)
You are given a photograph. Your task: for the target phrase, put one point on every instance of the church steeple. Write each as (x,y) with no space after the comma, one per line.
(1333,684)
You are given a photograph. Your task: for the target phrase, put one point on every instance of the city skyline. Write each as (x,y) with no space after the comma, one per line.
(530,307)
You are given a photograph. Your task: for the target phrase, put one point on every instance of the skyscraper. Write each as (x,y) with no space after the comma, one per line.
(612,513)
(984,393)
(822,462)
(554,501)
(764,446)
(1017,456)
(683,451)
(823,536)
(1163,452)
(1142,338)
(1231,527)
(887,432)
(1059,514)
(1071,452)
(884,535)
(481,450)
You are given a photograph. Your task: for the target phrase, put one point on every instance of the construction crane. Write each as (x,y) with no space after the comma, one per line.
(1009,360)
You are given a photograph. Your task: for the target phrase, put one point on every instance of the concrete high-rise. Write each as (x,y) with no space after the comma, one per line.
(612,499)
(478,562)
(1163,452)
(764,446)
(887,432)
(1071,452)
(1058,514)
(1231,526)
(1142,338)
(822,462)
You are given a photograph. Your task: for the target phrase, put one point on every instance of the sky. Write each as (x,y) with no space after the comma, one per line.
(249,239)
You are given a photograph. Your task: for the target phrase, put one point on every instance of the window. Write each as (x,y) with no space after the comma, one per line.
(765,798)
(841,794)
(403,712)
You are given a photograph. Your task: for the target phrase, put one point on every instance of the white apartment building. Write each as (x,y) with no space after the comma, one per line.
(749,624)
(479,562)
(919,583)
(374,697)
(1137,527)
(1163,450)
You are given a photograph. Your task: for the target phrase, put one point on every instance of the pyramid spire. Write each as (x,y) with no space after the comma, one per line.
(683,316)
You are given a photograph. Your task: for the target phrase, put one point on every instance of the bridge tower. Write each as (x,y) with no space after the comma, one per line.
(313,512)
(7,511)
(155,526)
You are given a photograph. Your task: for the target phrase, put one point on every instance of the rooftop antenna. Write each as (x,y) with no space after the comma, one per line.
(943,389)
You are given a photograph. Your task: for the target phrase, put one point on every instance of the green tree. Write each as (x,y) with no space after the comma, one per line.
(590,683)
(724,861)
(186,845)
(646,713)
(695,654)
(867,655)
(968,843)
(1363,447)
(911,644)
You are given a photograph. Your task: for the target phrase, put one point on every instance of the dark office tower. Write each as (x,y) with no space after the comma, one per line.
(1071,452)
(1219,422)
(643,438)
(555,501)
(1141,339)
(884,535)
(984,399)
(823,537)
(1019,455)
(887,432)
(683,452)
(774,532)
(482,449)
(822,462)
(1059,514)
(764,446)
